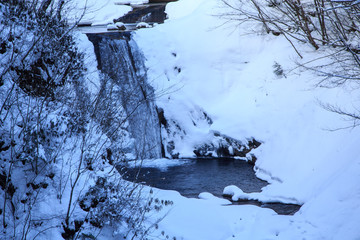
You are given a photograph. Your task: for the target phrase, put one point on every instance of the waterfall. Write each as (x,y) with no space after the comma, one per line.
(120,59)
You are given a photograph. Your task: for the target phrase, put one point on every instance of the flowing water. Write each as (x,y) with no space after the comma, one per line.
(199,175)
(194,176)
(121,61)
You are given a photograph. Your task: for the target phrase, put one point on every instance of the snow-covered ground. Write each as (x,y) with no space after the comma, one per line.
(229,73)
(195,62)
(97,12)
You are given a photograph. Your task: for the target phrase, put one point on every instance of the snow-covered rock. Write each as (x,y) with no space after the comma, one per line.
(120,25)
(211,198)
(116,26)
(111,27)
(143,25)
(235,192)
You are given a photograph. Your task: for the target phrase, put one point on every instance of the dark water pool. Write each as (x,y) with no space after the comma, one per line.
(194,176)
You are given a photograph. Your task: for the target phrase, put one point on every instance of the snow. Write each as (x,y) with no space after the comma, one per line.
(116,26)
(142,25)
(111,27)
(92,75)
(216,200)
(235,193)
(131,1)
(120,25)
(228,72)
(200,64)
(96,12)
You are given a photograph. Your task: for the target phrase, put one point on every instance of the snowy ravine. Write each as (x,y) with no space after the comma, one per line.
(229,74)
(196,64)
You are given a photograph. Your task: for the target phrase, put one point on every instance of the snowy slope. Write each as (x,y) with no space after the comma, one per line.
(97,12)
(228,72)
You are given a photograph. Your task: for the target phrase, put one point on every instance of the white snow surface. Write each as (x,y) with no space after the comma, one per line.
(216,200)
(228,72)
(97,12)
(142,25)
(235,193)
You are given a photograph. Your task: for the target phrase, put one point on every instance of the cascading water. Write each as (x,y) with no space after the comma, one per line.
(120,59)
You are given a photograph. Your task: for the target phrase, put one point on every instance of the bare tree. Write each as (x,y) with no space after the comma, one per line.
(56,138)
(328,24)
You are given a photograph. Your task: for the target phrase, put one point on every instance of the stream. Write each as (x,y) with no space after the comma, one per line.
(190,177)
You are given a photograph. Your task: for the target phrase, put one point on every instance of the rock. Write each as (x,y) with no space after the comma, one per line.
(225,146)
(120,26)
(111,27)
(143,25)
(116,26)
(145,13)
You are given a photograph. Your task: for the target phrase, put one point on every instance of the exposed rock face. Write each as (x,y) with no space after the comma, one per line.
(225,146)
(120,59)
(148,14)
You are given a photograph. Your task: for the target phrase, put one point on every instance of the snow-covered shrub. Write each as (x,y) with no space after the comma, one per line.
(278,70)
(39,50)
(121,205)
(38,64)
(55,141)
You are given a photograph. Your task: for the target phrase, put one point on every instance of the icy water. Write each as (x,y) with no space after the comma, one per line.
(193,176)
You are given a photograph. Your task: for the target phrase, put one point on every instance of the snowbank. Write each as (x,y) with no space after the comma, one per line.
(235,193)
(216,200)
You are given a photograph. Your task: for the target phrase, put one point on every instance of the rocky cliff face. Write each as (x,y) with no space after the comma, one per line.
(150,13)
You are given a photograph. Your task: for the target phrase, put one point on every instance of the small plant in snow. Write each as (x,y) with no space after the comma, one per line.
(278,70)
